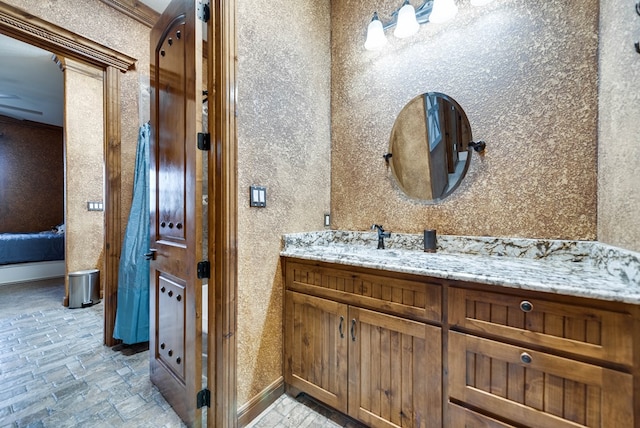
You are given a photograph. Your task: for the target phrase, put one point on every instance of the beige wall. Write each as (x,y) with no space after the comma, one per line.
(84,161)
(619,126)
(283,144)
(526,75)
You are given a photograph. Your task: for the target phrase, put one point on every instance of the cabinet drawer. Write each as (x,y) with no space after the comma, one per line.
(411,299)
(537,389)
(459,417)
(584,331)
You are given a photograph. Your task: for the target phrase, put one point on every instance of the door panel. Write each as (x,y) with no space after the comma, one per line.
(176,212)
(395,371)
(316,348)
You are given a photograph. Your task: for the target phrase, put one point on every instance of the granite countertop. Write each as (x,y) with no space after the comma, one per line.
(577,268)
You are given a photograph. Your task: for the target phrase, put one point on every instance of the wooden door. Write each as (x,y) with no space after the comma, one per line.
(316,339)
(537,389)
(395,371)
(176,213)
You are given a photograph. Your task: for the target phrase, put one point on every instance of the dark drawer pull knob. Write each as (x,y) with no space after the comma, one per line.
(353,329)
(526,358)
(526,306)
(340,328)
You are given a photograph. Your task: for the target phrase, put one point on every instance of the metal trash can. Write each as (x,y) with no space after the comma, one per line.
(84,288)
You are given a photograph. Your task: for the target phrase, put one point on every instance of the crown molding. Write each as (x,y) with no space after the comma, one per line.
(25,27)
(136,10)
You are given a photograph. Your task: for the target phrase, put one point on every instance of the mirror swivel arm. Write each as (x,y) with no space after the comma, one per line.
(386,157)
(478,146)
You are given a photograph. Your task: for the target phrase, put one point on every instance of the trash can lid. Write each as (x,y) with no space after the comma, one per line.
(83,272)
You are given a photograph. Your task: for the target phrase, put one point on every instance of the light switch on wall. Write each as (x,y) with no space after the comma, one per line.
(258,196)
(95,206)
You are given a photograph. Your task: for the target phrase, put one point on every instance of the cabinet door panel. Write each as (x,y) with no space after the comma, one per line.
(558,392)
(395,377)
(584,331)
(315,351)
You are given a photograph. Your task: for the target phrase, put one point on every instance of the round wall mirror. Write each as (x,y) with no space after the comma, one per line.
(429,149)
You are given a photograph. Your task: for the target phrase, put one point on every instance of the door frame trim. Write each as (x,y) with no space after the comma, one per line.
(222,64)
(21,25)
(30,29)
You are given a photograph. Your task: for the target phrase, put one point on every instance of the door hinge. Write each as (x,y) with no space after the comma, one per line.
(204,12)
(204,141)
(203,398)
(204,269)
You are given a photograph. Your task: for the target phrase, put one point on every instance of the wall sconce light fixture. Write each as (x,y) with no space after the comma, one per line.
(407,20)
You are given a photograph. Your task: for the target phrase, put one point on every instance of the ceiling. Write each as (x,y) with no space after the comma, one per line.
(31,83)
(157,5)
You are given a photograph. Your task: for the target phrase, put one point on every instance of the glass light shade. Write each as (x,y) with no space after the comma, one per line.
(407,23)
(443,10)
(375,35)
(480,2)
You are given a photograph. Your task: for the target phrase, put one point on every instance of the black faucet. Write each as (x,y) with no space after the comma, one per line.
(381,235)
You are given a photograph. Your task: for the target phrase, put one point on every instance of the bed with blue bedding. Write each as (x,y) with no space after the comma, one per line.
(31,247)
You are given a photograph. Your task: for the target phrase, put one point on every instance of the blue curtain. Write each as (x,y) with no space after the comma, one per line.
(132,313)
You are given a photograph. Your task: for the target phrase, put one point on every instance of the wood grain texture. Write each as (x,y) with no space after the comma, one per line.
(581,330)
(112,203)
(395,372)
(315,352)
(176,174)
(420,300)
(560,392)
(578,348)
(223,216)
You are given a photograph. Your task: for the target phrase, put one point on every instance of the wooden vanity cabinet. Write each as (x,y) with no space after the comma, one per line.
(380,368)
(537,362)
(397,350)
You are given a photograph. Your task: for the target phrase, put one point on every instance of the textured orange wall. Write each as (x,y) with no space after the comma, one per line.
(31,176)
(526,75)
(619,127)
(284,143)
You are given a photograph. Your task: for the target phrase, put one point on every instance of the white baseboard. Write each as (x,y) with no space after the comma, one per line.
(31,271)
